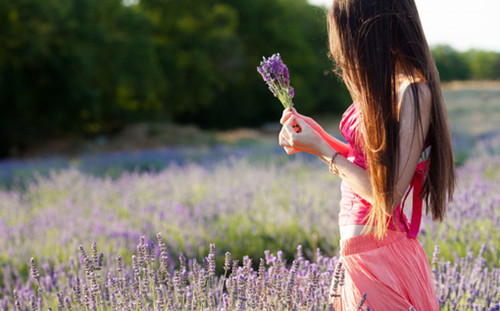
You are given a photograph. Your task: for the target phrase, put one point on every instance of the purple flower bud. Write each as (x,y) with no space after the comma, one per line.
(275,73)
(362,301)
(34,304)
(33,269)
(227,261)
(435,255)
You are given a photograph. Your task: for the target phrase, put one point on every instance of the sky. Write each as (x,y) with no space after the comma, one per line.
(463,24)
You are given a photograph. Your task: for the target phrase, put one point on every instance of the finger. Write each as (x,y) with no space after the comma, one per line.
(289,150)
(284,137)
(294,112)
(290,129)
(303,124)
(303,117)
(287,113)
(295,125)
(283,141)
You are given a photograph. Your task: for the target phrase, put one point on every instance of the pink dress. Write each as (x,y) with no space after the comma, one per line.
(393,272)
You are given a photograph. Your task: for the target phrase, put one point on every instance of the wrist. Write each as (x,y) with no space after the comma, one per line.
(325,151)
(332,164)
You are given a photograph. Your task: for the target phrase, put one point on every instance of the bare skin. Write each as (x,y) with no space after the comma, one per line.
(411,144)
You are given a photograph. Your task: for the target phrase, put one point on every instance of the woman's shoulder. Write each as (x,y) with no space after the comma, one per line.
(408,93)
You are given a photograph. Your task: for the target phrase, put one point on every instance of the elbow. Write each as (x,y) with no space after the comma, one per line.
(369,197)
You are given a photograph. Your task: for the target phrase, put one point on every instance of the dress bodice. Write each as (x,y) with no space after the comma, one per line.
(351,129)
(353,208)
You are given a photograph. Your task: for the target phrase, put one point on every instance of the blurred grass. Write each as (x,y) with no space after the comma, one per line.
(473,109)
(474,113)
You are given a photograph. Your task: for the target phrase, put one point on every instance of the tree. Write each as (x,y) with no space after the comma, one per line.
(89,67)
(450,63)
(209,52)
(484,65)
(73,68)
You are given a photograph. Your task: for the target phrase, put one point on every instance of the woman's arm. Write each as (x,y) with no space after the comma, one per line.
(412,135)
(308,139)
(411,144)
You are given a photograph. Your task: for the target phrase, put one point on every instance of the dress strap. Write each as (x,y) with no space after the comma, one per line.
(416,183)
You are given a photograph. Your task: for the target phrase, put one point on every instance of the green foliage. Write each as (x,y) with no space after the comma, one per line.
(450,63)
(88,67)
(483,64)
(470,65)
(210,51)
(73,68)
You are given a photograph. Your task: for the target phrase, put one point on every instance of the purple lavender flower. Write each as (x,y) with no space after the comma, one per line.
(34,270)
(227,262)
(362,302)
(275,74)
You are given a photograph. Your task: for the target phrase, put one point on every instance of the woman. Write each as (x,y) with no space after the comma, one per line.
(398,113)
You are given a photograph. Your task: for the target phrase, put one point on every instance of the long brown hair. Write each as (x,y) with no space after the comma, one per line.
(372,41)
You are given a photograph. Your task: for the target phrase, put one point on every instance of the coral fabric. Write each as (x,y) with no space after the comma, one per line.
(393,273)
(353,208)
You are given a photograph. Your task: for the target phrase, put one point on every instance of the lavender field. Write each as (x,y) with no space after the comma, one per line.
(272,220)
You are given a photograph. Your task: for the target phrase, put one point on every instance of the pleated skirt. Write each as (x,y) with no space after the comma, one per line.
(393,273)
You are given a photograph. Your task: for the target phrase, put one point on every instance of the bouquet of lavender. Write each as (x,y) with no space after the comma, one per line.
(277,77)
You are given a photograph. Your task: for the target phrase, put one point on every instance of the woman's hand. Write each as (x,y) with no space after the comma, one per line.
(297,135)
(287,113)
(333,142)
(319,143)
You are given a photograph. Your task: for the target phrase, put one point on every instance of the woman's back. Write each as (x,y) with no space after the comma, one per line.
(354,209)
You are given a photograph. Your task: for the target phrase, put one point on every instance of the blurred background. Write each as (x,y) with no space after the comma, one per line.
(85,75)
